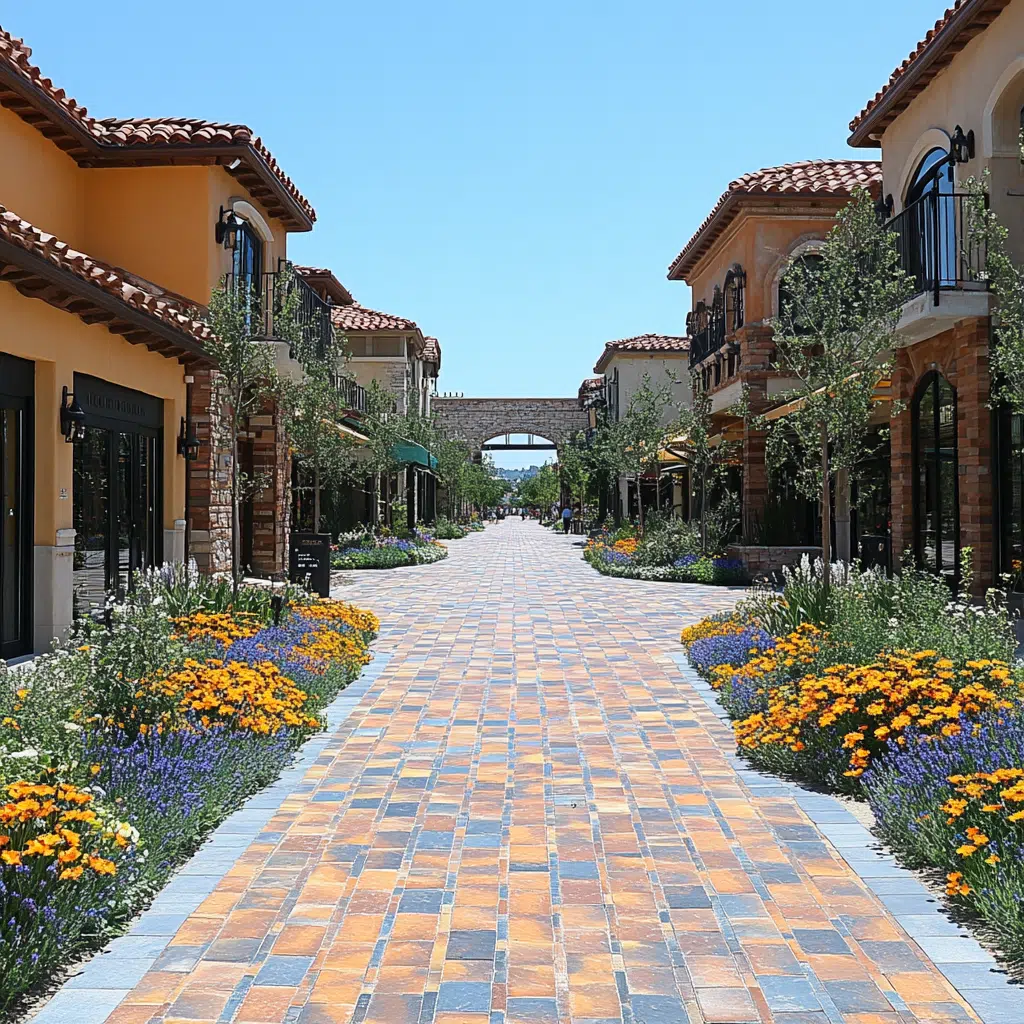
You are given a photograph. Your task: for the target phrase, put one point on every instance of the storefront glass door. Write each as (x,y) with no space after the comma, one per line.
(14,507)
(116,488)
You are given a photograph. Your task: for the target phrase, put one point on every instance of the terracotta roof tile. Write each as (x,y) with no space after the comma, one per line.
(323,279)
(144,131)
(651,343)
(589,386)
(805,178)
(359,319)
(961,22)
(96,274)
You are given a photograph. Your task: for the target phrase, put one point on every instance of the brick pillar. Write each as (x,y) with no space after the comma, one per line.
(271,505)
(209,483)
(901,460)
(975,453)
(756,348)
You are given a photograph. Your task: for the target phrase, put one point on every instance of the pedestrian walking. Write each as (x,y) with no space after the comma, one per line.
(566,518)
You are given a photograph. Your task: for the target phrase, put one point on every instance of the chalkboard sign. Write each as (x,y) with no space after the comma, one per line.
(310,561)
(874,552)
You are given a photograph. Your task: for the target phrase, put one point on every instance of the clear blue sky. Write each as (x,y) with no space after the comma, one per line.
(514,177)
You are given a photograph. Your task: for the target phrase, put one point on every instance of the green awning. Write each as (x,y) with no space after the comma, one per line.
(414,454)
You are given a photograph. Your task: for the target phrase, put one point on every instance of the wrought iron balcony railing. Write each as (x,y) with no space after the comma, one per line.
(710,338)
(265,297)
(352,394)
(935,245)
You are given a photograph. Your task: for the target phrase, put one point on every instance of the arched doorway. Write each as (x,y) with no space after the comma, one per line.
(929,236)
(936,490)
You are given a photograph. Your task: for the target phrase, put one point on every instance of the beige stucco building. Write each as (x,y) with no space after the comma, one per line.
(954,108)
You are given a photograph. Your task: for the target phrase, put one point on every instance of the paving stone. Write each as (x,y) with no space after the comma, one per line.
(529,809)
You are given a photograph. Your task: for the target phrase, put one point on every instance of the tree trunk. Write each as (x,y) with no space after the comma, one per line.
(640,503)
(826,516)
(316,499)
(703,512)
(844,537)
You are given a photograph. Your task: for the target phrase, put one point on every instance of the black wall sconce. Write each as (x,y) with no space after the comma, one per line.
(72,418)
(961,146)
(884,207)
(188,443)
(225,231)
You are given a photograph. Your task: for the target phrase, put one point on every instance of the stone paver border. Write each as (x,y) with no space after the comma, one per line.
(971,970)
(101,984)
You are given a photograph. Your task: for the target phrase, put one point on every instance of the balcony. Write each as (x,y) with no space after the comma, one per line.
(264,299)
(352,394)
(946,265)
(709,339)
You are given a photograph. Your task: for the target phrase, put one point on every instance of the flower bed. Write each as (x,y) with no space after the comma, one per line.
(899,694)
(449,529)
(620,558)
(388,552)
(120,751)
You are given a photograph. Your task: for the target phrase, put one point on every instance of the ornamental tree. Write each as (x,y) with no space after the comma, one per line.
(834,334)
(706,457)
(1006,282)
(315,408)
(652,417)
(246,379)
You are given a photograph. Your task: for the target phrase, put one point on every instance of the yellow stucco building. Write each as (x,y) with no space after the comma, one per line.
(112,232)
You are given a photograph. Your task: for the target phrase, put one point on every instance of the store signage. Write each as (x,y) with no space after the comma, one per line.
(309,561)
(106,404)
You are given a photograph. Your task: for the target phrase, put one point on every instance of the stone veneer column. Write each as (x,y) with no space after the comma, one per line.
(271,459)
(209,483)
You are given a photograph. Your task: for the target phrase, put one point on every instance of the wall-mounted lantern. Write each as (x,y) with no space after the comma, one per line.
(961,146)
(884,207)
(188,443)
(225,231)
(72,418)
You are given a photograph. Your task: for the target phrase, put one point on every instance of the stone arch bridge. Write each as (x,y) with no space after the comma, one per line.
(475,420)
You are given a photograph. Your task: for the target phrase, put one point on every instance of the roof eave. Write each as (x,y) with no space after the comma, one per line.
(167,340)
(705,238)
(221,155)
(874,122)
(164,154)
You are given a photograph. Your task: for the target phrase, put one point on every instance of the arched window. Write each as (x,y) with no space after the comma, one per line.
(735,285)
(930,219)
(936,499)
(813,262)
(247,274)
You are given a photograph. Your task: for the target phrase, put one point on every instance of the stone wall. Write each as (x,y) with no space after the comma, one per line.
(477,419)
(765,561)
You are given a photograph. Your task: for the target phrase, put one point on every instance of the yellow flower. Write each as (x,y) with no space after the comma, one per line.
(966,850)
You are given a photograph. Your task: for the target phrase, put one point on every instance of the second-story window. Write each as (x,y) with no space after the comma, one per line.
(247,275)
(735,284)
(247,258)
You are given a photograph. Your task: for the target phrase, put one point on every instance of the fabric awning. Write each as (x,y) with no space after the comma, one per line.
(882,393)
(349,432)
(413,454)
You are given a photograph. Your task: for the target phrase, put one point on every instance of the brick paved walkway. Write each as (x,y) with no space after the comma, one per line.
(532,817)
